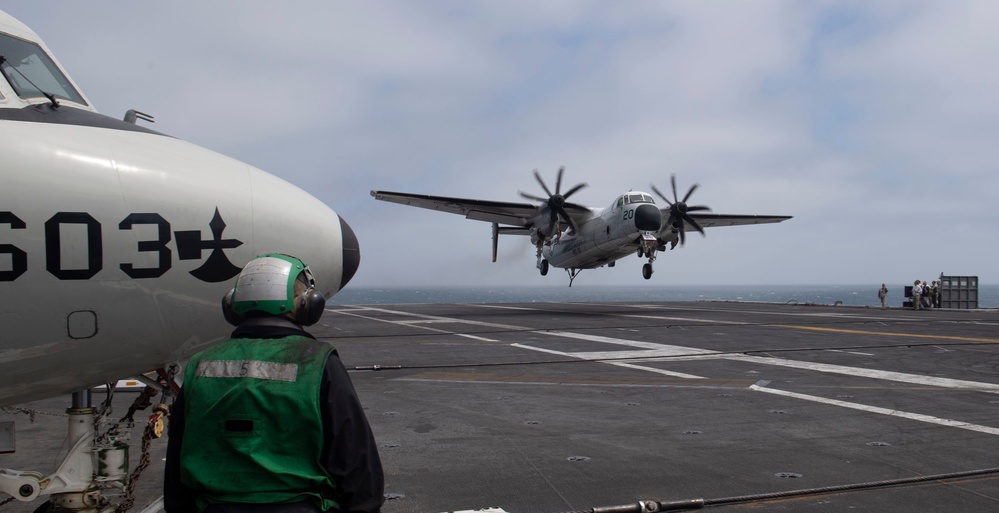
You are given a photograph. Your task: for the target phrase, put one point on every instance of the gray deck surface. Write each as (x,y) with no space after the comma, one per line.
(546,407)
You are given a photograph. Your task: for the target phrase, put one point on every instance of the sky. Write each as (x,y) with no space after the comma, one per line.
(874,124)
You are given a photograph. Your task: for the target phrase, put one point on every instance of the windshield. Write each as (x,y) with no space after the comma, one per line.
(630,198)
(31,72)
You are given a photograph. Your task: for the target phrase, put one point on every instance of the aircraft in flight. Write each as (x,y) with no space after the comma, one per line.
(575,237)
(117,244)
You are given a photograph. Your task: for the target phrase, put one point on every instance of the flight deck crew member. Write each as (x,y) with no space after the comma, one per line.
(268,421)
(883,296)
(917,296)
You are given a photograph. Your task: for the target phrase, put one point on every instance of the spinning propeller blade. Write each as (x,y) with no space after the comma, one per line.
(555,202)
(678,210)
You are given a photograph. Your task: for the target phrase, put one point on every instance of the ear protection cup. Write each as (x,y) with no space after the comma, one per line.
(311,305)
(228,311)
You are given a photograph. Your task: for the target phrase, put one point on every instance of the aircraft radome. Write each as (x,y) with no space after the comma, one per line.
(574,237)
(117,243)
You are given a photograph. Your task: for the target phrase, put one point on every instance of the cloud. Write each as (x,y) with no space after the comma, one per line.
(872,124)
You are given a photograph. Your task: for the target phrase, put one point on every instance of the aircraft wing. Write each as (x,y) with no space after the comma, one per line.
(708,220)
(516,214)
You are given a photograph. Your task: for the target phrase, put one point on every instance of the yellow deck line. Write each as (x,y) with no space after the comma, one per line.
(889,333)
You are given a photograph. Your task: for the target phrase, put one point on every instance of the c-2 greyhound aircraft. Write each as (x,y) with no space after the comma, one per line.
(574,237)
(117,244)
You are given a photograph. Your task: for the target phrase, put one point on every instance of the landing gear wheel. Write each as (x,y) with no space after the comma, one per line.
(647,271)
(544,268)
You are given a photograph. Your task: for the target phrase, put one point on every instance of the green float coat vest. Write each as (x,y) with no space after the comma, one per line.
(254,429)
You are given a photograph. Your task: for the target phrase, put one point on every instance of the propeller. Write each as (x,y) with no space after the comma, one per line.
(556,202)
(678,209)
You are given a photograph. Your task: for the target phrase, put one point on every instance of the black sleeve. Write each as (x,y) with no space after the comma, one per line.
(177,498)
(350,453)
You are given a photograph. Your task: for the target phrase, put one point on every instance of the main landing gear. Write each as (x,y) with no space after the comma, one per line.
(97,460)
(542,263)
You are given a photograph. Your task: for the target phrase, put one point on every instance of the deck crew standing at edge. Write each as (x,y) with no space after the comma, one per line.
(926,295)
(268,421)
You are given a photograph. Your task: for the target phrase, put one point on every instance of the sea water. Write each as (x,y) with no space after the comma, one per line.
(848,295)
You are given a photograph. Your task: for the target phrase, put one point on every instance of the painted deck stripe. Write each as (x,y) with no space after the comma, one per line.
(888,333)
(653,350)
(418,324)
(882,411)
(620,364)
(662,349)
(649,350)
(425,317)
(901,377)
(475,337)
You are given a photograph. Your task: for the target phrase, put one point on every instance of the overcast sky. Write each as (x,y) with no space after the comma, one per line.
(874,124)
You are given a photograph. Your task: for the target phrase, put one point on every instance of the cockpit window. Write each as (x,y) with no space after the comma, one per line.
(639,198)
(634,197)
(31,72)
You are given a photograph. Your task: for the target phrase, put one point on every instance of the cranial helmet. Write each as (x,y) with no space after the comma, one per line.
(267,286)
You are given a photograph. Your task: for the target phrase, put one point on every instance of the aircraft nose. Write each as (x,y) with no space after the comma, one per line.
(311,231)
(351,253)
(648,218)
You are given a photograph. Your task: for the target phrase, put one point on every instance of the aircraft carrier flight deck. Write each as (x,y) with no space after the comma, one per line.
(549,407)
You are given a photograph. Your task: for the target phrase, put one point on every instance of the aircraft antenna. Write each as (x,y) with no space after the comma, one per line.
(132,115)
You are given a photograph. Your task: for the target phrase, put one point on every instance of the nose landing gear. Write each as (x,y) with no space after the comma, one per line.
(648,247)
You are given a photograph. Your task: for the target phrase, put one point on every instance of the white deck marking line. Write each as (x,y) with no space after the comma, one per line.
(679,319)
(662,349)
(883,411)
(849,352)
(473,337)
(430,318)
(619,364)
(502,307)
(425,321)
(412,325)
(901,377)
(550,383)
(844,315)
(652,350)
(838,369)
(657,371)
(659,350)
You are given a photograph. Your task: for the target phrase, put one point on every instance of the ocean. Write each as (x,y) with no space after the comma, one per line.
(849,295)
